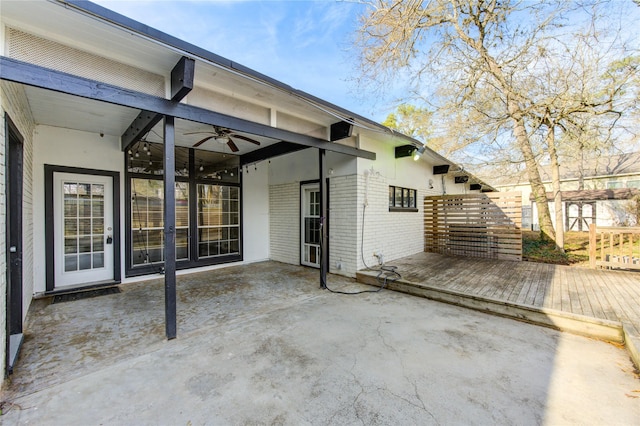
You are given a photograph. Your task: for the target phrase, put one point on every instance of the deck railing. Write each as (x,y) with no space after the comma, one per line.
(614,247)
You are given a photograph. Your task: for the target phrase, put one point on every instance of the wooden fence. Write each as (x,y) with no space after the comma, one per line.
(475,225)
(614,247)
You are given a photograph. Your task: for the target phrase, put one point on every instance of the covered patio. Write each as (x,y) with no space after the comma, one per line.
(263,344)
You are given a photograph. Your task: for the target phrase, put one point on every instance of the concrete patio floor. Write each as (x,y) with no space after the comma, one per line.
(262,344)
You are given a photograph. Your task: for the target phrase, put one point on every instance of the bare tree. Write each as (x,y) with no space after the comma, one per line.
(478,47)
(485,57)
(581,86)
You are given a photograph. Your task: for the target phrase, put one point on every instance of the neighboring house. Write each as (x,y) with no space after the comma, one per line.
(96,106)
(594,191)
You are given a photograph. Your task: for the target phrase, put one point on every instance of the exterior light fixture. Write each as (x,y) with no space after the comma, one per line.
(419,152)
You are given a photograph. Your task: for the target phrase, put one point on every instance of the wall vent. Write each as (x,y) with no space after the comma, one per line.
(50,54)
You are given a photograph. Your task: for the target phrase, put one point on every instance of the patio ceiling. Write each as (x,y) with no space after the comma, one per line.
(87,115)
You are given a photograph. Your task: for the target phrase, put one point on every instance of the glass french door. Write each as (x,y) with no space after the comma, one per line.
(310,225)
(83,229)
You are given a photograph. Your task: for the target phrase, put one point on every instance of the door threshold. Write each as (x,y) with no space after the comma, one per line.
(79,288)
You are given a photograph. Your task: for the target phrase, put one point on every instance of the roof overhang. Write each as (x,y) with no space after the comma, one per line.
(42,78)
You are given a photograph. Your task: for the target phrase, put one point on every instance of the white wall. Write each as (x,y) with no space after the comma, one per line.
(352,182)
(394,234)
(285,176)
(298,166)
(64,147)
(255,213)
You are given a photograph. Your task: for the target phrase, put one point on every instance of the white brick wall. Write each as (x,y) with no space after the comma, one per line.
(13,102)
(393,234)
(284,222)
(343,220)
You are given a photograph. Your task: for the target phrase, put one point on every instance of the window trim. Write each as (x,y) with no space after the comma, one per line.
(398,205)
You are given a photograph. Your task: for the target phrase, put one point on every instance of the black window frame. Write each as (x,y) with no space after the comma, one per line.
(194,260)
(404,202)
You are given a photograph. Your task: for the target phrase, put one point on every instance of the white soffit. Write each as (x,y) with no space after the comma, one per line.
(54,21)
(72,112)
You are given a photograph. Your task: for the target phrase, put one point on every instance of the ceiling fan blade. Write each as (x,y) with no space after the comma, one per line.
(232,146)
(201,141)
(244,138)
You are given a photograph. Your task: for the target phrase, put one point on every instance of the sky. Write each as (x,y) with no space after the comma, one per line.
(305,44)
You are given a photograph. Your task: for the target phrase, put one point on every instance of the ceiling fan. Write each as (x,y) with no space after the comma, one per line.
(222,135)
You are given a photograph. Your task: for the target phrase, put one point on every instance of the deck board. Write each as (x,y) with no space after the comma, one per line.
(602,294)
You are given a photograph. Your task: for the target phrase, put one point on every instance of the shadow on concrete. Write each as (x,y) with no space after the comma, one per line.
(262,344)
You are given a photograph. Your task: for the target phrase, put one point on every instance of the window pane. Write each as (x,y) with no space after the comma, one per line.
(392,191)
(98,208)
(70,245)
(84,261)
(98,260)
(98,243)
(218,208)
(84,207)
(84,227)
(70,207)
(182,204)
(398,199)
(84,244)
(182,243)
(98,226)
(70,227)
(70,189)
(97,190)
(70,263)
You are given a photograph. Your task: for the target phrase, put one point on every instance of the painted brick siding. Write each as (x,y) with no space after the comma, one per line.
(13,102)
(393,234)
(284,222)
(343,220)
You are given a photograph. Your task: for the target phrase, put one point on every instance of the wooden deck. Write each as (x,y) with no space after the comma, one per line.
(577,293)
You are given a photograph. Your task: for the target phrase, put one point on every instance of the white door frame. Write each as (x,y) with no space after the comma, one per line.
(56,277)
(309,253)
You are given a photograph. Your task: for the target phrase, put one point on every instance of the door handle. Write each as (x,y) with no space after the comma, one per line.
(109,239)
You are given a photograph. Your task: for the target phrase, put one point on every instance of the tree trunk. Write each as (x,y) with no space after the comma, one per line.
(537,188)
(555,182)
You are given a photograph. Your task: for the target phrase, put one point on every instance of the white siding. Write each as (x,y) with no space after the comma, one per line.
(255,214)
(13,102)
(284,222)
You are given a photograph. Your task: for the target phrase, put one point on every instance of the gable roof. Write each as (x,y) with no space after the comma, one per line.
(604,166)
